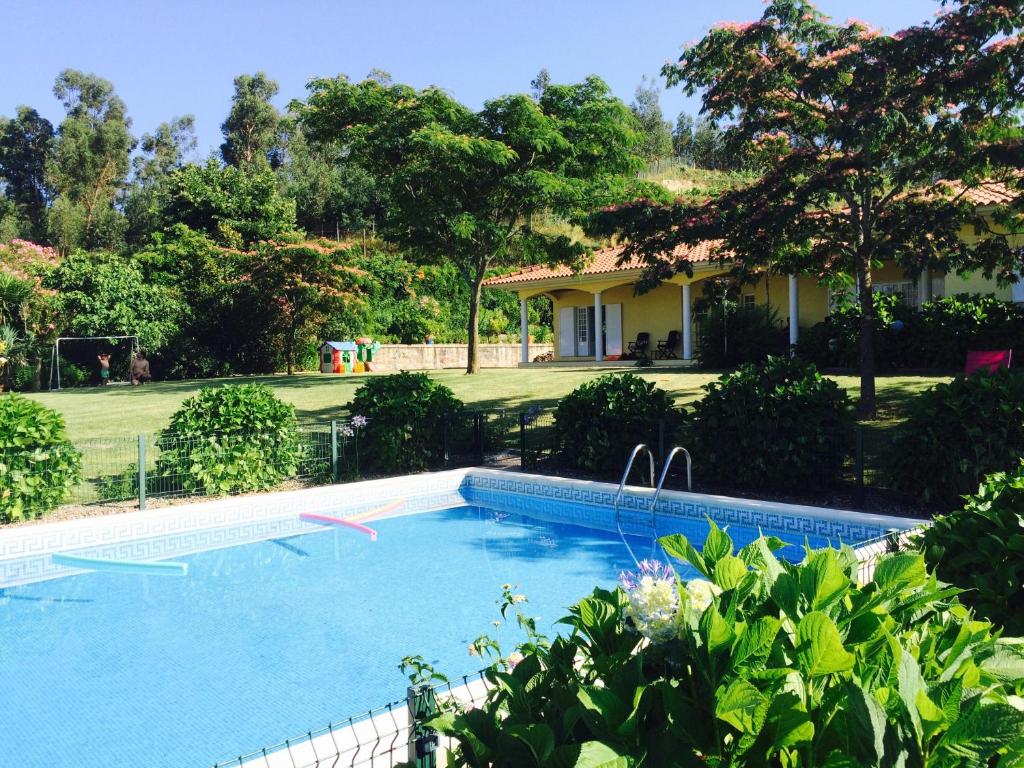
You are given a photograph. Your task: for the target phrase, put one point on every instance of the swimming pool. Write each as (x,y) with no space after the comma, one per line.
(280,626)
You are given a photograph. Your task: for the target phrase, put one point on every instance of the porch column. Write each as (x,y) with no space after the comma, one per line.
(794,311)
(687,323)
(598,329)
(524,332)
(924,286)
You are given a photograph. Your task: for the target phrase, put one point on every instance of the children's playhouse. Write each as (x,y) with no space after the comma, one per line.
(348,356)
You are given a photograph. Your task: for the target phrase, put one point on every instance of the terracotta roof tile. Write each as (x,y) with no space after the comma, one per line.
(604,261)
(987,193)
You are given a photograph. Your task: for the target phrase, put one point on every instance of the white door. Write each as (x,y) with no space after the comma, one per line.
(582,332)
(566,332)
(612,329)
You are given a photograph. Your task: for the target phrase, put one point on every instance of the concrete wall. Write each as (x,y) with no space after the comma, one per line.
(424,357)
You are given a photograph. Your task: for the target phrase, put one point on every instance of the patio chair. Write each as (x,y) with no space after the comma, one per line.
(667,347)
(987,360)
(639,347)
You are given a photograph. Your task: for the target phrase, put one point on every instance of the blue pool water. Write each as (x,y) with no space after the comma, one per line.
(263,641)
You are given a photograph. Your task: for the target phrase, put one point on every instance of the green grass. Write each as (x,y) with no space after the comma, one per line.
(121,410)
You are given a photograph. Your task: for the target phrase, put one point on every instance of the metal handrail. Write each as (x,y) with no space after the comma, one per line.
(664,473)
(622,484)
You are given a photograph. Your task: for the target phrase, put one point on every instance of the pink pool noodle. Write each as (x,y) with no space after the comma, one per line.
(309,517)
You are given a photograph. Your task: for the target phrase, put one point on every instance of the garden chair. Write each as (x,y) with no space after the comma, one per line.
(667,347)
(987,360)
(639,347)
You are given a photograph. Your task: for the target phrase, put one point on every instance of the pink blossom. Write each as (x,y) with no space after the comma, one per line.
(739,27)
(1006,42)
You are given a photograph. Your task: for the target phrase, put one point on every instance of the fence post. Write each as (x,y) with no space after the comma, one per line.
(334,450)
(522,442)
(478,427)
(142,471)
(423,742)
(859,463)
(444,439)
(661,440)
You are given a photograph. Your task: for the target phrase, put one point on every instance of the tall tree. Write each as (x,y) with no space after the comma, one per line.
(682,138)
(90,160)
(163,151)
(656,131)
(853,128)
(540,83)
(26,142)
(462,184)
(708,146)
(251,128)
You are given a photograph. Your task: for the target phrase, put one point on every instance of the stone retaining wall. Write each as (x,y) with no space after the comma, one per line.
(424,357)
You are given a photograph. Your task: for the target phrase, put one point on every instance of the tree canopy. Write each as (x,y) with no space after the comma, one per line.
(852,128)
(461,185)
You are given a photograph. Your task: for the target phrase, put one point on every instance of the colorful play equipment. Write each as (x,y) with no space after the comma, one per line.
(348,356)
(121,566)
(309,517)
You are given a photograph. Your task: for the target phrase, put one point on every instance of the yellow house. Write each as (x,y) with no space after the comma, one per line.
(607,290)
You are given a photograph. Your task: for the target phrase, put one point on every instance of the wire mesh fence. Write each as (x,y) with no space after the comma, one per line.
(386,736)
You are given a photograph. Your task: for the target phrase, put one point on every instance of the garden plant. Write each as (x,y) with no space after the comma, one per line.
(981,549)
(37,462)
(744,659)
(955,434)
(778,425)
(229,440)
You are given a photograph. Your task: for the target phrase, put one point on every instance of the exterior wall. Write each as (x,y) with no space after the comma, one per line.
(813,298)
(975,283)
(656,312)
(425,357)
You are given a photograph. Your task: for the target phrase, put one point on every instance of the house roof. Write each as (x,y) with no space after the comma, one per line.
(341,346)
(604,261)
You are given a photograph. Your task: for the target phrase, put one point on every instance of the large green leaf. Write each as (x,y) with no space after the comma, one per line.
(729,571)
(717,545)
(901,570)
(602,708)
(679,547)
(754,645)
(590,754)
(538,738)
(822,580)
(742,706)
(820,648)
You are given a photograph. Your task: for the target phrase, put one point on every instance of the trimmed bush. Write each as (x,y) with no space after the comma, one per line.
(779,425)
(980,548)
(756,662)
(229,440)
(732,335)
(955,434)
(599,422)
(38,464)
(406,415)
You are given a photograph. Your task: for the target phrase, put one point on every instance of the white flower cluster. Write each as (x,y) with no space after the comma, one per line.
(655,603)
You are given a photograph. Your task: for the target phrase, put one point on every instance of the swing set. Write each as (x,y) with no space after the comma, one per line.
(55,355)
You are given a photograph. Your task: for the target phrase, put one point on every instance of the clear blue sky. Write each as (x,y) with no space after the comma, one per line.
(172,57)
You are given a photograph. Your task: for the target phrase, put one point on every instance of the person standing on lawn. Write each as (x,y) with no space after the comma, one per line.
(140,369)
(104,358)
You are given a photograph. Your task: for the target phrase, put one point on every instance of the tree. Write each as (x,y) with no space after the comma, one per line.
(25,146)
(707,147)
(852,127)
(682,138)
(89,164)
(163,152)
(304,285)
(540,83)
(250,130)
(461,185)
(236,207)
(656,131)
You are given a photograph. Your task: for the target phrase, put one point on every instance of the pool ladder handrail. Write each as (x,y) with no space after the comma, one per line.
(640,447)
(664,473)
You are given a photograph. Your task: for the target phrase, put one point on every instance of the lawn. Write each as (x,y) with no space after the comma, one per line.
(122,410)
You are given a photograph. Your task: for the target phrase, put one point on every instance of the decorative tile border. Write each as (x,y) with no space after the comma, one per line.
(188,528)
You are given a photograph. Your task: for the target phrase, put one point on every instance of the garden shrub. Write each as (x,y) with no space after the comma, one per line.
(732,335)
(758,662)
(938,335)
(955,434)
(599,422)
(228,440)
(778,425)
(980,548)
(38,465)
(406,415)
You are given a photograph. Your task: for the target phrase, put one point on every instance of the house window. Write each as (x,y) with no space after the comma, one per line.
(907,290)
(581,326)
(748,301)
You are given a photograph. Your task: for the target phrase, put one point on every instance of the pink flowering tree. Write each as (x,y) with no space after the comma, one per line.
(853,129)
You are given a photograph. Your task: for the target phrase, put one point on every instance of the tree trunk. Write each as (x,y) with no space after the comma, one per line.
(290,352)
(866,409)
(472,362)
(37,374)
